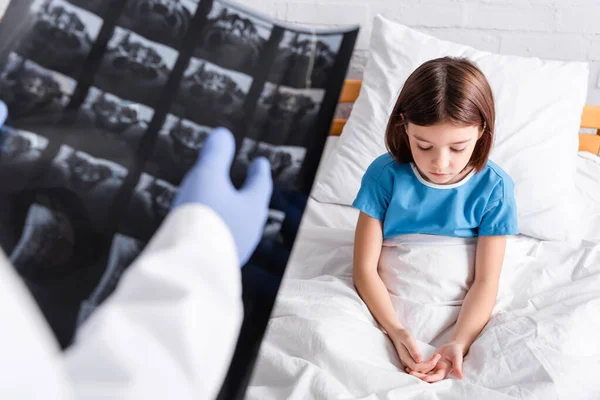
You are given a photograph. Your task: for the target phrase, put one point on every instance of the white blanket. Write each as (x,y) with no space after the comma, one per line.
(541,342)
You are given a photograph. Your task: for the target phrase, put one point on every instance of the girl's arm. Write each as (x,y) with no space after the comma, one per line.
(481,298)
(368,241)
(367,249)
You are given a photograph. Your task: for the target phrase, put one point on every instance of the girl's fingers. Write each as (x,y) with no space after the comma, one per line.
(426,366)
(418,374)
(439,373)
(411,346)
(438,376)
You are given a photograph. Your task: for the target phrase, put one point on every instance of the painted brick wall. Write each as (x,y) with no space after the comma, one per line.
(553,29)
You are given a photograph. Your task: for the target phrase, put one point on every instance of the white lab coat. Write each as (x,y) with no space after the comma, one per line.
(167,332)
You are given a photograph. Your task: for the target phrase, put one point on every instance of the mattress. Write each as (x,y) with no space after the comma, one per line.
(541,341)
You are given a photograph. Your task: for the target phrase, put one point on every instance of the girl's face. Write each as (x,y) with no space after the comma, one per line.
(442,151)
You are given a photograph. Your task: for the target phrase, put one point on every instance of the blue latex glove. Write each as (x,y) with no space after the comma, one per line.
(3,114)
(245,211)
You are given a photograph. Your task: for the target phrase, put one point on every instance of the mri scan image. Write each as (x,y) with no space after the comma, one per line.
(28,89)
(85,174)
(94,182)
(286,161)
(232,39)
(273,226)
(163,21)
(286,112)
(290,106)
(108,113)
(150,203)
(112,116)
(95,6)
(285,115)
(46,244)
(305,60)
(20,152)
(123,251)
(18,146)
(187,140)
(161,194)
(211,96)
(134,68)
(176,149)
(61,37)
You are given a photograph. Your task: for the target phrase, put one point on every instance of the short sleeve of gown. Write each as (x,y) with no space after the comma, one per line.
(374,195)
(500,216)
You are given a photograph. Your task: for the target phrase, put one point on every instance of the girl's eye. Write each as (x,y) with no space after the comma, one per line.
(458,150)
(424,148)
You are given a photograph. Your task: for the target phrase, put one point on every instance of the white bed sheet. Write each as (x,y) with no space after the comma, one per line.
(541,342)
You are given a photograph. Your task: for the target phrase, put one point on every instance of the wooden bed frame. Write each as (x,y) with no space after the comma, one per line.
(590,118)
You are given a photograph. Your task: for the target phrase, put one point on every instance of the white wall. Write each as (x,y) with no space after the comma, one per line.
(554,29)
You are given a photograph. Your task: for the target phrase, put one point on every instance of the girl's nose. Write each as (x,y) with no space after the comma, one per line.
(441,161)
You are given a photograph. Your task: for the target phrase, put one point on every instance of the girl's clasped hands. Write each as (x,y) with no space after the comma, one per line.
(447,359)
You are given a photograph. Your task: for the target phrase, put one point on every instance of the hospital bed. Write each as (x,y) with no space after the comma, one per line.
(541,342)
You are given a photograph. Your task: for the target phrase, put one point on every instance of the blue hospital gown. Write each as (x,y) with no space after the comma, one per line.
(481,204)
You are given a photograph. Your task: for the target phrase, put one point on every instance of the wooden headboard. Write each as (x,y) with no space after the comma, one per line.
(589,119)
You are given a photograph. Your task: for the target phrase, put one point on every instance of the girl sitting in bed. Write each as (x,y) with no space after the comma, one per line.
(436,179)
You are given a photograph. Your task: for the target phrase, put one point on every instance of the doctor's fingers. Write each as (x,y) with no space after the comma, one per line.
(217,152)
(3,112)
(259,183)
(3,116)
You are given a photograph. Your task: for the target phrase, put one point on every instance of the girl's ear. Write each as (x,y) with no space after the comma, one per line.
(405,126)
(482,131)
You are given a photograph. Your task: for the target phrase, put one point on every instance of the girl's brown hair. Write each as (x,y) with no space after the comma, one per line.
(444,90)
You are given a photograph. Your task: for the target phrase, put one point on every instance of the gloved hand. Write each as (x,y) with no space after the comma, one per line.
(245,211)
(3,114)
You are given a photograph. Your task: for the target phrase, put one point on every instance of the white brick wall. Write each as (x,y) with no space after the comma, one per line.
(553,29)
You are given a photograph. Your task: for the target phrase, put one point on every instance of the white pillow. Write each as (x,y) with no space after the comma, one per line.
(538,114)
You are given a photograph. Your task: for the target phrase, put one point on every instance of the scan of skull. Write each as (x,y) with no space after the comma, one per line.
(61,37)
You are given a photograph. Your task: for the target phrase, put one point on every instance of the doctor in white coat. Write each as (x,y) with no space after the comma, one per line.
(170,328)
